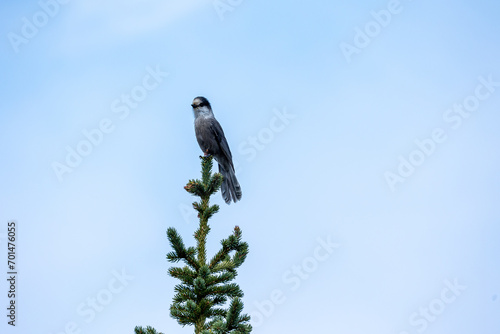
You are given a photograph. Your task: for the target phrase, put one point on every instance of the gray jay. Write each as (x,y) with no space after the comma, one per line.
(213,142)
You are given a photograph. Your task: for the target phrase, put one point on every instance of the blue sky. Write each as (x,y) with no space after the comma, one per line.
(370,177)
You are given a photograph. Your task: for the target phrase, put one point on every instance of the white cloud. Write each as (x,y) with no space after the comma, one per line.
(94,23)
(135,16)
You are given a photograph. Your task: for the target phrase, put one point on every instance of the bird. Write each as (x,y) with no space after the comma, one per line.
(212,141)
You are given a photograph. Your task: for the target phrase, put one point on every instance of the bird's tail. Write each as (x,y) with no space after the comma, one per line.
(231,190)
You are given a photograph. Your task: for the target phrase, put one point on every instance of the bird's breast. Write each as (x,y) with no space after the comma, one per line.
(204,136)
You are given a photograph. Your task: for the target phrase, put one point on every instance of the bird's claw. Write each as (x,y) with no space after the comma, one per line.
(206,155)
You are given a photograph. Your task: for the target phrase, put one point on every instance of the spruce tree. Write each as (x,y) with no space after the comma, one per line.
(206,284)
(147,330)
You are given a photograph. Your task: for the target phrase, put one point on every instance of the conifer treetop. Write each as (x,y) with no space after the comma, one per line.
(206,285)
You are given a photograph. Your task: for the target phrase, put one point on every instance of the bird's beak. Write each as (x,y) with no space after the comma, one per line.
(193,105)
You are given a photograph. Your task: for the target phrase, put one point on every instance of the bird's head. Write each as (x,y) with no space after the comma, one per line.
(201,106)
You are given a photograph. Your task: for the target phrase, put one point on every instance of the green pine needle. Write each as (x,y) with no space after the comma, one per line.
(206,286)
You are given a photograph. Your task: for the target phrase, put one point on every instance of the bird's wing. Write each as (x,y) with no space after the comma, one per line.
(221,139)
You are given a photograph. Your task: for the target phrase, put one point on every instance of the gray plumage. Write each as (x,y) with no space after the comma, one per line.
(212,141)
